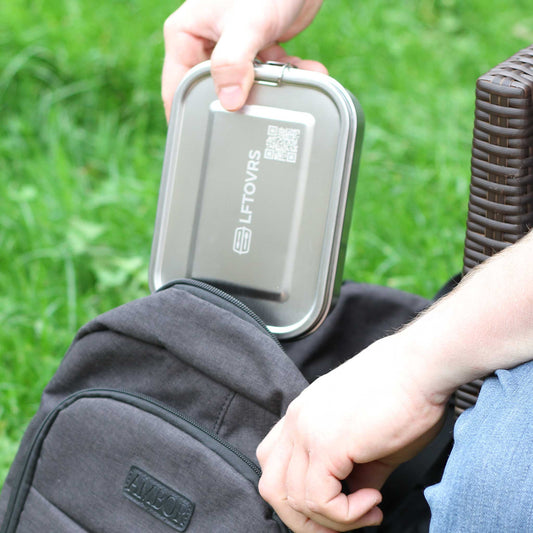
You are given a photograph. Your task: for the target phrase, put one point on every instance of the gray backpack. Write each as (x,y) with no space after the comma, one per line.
(152,420)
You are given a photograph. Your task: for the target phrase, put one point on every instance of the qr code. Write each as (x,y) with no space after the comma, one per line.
(282,144)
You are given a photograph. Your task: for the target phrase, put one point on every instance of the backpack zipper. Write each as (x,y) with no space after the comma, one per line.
(202,285)
(17,499)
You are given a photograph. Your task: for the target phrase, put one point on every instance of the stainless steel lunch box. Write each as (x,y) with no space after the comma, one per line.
(258,202)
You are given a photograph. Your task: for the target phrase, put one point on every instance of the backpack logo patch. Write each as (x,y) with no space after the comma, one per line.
(158,499)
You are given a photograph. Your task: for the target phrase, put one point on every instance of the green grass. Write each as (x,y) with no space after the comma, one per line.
(82,135)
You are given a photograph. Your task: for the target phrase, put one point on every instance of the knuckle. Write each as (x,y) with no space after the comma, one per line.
(292,410)
(219,62)
(167,95)
(228,62)
(265,489)
(176,20)
(261,453)
(295,504)
(314,506)
(295,409)
(169,26)
(344,523)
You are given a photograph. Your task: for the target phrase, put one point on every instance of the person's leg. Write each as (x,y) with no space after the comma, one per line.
(487,484)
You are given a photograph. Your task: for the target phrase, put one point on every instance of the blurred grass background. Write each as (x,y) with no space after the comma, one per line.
(82,136)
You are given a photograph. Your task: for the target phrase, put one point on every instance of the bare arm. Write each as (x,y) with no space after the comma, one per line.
(486,324)
(361,420)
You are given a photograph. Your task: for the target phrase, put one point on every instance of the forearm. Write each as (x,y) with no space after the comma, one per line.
(486,323)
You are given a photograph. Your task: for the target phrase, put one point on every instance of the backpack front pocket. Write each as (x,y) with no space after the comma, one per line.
(110,461)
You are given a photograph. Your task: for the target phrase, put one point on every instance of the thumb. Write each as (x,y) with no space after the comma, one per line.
(232,62)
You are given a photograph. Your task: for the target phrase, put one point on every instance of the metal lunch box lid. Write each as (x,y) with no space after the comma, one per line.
(258,202)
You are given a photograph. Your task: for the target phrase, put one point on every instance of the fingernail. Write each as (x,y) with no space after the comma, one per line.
(231,97)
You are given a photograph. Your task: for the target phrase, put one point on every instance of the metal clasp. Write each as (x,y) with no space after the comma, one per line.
(279,80)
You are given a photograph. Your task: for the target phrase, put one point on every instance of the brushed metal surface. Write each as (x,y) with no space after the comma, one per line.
(258,202)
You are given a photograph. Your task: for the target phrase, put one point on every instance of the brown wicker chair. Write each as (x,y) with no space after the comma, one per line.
(500,209)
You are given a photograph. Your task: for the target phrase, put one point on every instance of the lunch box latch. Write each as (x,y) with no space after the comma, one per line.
(277,79)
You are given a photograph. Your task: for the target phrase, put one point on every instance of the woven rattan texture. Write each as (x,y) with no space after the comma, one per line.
(500,209)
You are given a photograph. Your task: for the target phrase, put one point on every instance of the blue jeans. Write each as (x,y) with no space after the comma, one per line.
(487,486)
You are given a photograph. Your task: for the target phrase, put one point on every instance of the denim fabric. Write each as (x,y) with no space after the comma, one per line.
(487,486)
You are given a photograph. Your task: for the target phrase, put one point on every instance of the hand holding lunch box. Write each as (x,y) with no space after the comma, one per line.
(257,202)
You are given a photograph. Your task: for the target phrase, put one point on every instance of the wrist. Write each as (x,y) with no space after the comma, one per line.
(452,344)
(430,362)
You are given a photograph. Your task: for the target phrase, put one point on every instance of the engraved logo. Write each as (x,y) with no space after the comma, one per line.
(158,499)
(242,239)
(242,235)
